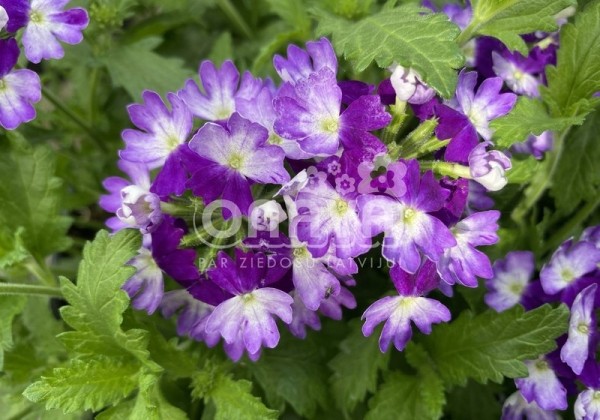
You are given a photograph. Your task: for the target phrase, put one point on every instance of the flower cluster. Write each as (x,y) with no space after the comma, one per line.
(40,25)
(263,215)
(571,277)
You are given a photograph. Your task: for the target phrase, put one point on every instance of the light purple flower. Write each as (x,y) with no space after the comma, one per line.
(568,263)
(327,219)
(300,64)
(399,311)
(587,405)
(267,216)
(542,386)
(232,158)
(516,74)
(483,105)
(332,306)
(145,287)
(516,408)
(582,326)
(19,89)
(463,263)
(408,227)
(218,100)
(535,145)
(191,314)
(592,235)
(246,320)
(489,167)
(160,131)
(459,15)
(409,87)
(309,113)
(48,24)
(511,277)
(302,318)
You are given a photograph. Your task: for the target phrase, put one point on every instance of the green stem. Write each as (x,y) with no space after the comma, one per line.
(236,18)
(41,272)
(567,229)
(453,170)
(466,35)
(29,290)
(52,98)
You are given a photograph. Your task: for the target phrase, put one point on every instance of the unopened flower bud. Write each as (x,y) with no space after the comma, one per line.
(267,216)
(489,167)
(409,87)
(140,208)
(3,18)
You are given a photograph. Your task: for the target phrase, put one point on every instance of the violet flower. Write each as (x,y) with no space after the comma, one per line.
(489,167)
(517,72)
(145,287)
(484,104)
(300,64)
(542,386)
(587,405)
(535,145)
(160,131)
(511,277)
(17,13)
(410,305)
(408,227)
(218,101)
(463,263)
(517,408)
(191,314)
(19,89)
(48,24)
(232,158)
(582,326)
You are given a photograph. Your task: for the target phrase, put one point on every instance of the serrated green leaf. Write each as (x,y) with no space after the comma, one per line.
(12,249)
(529,116)
(10,306)
(30,198)
(522,170)
(400,398)
(492,345)
(574,80)
(89,385)
(356,368)
(293,371)
(137,67)
(431,386)
(407,35)
(577,177)
(293,12)
(474,402)
(507,19)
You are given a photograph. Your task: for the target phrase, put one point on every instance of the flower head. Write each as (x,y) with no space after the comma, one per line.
(408,86)
(300,64)
(518,74)
(542,386)
(145,287)
(587,405)
(511,277)
(568,263)
(517,408)
(489,167)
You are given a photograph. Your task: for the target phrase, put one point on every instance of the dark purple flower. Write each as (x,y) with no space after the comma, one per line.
(218,101)
(511,277)
(19,89)
(232,158)
(409,305)
(300,64)
(161,131)
(48,23)
(405,220)
(489,167)
(16,11)
(542,386)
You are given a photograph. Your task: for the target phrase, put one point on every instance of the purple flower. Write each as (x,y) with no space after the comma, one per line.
(516,408)
(131,201)
(462,263)
(332,306)
(145,287)
(16,11)
(478,198)
(409,87)
(232,158)
(592,235)
(19,89)
(267,216)
(511,277)
(489,167)
(300,64)
(459,15)
(399,311)
(161,131)
(568,263)
(302,317)
(483,105)
(535,145)
(48,24)
(246,320)
(405,220)
(581,328)
(192,314)
(309,113)
(3,17)
(513,68)
(218,101)
(542,386)
(587,405)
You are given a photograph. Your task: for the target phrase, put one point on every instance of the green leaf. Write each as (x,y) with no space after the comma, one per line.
(431,387)
(507,19)
(474,402)
(356,368)
(232,399)
(222,49)
(574,80)
(30,198)
(293,12)
(529,116)
(400,398)
(10,306)
(293,371)
(89,385)
(12,249)
(97,302)
(522,170)
(577,178)
(408,35)
(136,67)
(493,345)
